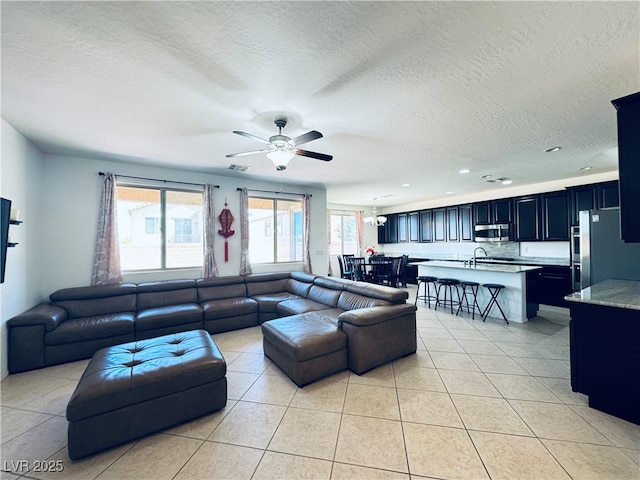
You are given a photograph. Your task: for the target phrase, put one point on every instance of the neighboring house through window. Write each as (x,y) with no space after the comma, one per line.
(159,228)
(344,239)
(284,243)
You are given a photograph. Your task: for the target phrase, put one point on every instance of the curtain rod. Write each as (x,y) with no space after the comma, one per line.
(273,191)
(157,180)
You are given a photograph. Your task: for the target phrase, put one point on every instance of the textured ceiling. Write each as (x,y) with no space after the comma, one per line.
(404,92)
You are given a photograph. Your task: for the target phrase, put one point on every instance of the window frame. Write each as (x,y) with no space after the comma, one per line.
(275,228)
(163,225)
(342,214)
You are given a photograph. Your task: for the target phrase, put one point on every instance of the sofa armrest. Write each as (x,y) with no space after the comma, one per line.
(44,314)
(373,315)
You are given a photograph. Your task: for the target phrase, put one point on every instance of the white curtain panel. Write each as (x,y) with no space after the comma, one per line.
(209,266)
(106,260)
(306,203)
(245,263)
(359,230)
(329,267)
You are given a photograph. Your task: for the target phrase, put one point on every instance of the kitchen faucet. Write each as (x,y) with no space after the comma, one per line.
(474,260)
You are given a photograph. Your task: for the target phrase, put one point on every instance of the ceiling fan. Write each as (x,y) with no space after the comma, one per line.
(280,148)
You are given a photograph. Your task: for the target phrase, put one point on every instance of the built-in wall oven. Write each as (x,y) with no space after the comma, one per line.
(575,258)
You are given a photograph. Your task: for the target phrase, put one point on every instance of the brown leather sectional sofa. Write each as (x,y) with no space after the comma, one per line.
(79,321)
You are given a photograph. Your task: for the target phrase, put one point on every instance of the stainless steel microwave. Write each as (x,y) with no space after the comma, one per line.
(492,233)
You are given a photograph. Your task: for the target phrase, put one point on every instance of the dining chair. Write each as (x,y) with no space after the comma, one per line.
(345,271)
(356,265)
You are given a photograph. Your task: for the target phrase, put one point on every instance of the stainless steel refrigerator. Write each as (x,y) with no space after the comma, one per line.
(603,254)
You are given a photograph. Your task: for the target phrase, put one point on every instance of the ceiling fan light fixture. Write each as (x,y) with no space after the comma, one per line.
(280,158)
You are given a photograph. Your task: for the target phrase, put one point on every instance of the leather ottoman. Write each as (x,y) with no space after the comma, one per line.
(137,388)
(306,347)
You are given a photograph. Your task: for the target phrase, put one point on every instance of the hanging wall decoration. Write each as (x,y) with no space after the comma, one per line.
(226,219)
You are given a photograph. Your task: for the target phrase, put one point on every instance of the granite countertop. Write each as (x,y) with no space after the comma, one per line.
(537,261)
(485,267)
(611,293)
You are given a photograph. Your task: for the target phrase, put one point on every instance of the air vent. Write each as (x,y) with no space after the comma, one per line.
(239,168)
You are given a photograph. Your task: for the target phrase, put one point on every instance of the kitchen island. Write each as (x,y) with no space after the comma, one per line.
(516,299)
(605,338)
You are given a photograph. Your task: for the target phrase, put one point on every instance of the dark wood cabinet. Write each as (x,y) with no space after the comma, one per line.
(555,214)
(628,113)
(439,225)
(452,224)
(554,283)
(582,198)
(527,226)
(414,227)
(608,194)
(426,226)
(604,358)
(502,211)
(392,228)
(403,232)
(465,223)
(482,213)
(382,234)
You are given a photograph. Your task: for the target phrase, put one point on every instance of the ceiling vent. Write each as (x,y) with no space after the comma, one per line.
(238,168)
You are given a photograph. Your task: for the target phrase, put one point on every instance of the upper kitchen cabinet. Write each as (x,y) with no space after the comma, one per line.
(426,226)
(440,225)
(555,216)
(465,223)
(403,231)
(388,233)
(527,219)
(628,111)
(495,211)
(414,227)
(608,194)
(452,224)
(582,198)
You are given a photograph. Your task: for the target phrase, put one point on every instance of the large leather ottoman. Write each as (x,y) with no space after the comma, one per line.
(306,347)
(137,388)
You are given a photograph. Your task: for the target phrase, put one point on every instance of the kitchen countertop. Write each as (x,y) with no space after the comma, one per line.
(610,293)
(486,267)
(537,261)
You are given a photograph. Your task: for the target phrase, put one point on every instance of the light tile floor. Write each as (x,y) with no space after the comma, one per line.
(478,400)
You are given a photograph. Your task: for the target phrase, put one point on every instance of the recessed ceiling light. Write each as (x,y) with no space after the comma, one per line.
(552,149)
(406,184)
(507,181)
(448,193)
(588,167)
(464,170)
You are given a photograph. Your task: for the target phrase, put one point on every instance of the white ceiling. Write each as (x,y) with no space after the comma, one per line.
(404,92)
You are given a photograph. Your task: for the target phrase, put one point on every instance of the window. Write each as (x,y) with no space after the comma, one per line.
(344,239)
(284,243)
(159,228)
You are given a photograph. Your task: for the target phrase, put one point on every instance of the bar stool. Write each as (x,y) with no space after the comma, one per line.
(427,282)
(494,290)
(473,291)
(449,284)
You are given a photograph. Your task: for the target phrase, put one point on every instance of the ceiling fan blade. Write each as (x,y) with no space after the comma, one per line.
(249,135)
(307,137)
(316,155)
(242,154)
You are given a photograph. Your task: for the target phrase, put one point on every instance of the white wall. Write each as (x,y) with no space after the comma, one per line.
(21,168)
(58,197)
(72,189)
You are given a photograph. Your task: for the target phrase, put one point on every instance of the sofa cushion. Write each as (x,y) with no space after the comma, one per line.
(229,307)
(268,302)
(352,301)
(326,296)
(172,315)
(299,305)
(305,336)
(220,287)
(382,292)
(264,283)
(84,302)
(91,328)
(165,293)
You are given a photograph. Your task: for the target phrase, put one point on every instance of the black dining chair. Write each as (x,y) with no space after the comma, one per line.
(345,271)
(356,265)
